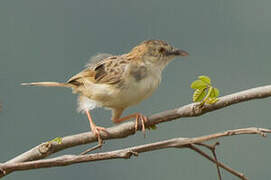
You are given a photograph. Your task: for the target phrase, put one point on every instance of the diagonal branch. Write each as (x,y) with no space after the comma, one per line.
(212,148)
(126,129)
(219,164)
(126,153)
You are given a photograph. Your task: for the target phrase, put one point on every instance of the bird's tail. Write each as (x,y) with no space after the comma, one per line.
(47,84)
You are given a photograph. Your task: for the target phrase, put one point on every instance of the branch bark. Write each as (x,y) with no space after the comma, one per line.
(128,152)
(126,129)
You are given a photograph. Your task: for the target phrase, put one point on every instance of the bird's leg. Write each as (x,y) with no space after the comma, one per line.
(138,117)
(95,129)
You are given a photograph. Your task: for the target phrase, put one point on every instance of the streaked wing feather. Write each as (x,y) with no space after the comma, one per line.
(97,58)
(106,71)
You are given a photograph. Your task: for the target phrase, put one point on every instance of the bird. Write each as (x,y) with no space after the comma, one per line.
(117,82)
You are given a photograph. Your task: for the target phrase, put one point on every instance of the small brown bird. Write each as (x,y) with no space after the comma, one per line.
(117,82)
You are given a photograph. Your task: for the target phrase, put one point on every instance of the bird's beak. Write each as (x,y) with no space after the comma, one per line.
(179,52)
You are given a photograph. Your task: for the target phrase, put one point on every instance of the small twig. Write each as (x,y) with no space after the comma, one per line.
(214,154)
(91,149)
(227,168)
(217,167)
(208,146)
(212,148)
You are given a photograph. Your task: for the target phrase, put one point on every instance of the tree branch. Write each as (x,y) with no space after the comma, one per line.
(212,148)
(126,129)
(126,153)
(219,164)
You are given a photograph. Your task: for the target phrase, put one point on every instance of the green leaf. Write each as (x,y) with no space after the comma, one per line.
(211,100)
(198,84)
(216,91)
(58,140)
(212,92)
(205,79)
(199,94)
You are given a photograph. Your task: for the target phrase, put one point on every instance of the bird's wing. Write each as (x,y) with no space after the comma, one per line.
(97,58)
(105,71)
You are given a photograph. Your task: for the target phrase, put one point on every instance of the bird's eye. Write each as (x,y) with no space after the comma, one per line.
(162,50)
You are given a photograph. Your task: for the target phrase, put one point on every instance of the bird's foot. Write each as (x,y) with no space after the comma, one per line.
(139,118)
(143,119)
(96,130)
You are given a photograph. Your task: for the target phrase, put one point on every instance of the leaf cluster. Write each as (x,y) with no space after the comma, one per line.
(204,91)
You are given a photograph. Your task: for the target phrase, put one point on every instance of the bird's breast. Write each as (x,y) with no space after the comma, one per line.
(138,88)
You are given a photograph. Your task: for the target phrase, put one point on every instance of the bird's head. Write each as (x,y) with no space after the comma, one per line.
(156,52)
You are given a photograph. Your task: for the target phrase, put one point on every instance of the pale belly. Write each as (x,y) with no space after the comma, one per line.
(132,93)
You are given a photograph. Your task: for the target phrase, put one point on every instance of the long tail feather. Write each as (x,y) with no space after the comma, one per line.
(47,84)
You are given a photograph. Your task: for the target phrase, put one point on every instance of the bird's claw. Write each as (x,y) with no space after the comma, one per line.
(96,130)
(143,119)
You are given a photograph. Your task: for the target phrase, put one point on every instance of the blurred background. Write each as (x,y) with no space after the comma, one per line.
(51,40)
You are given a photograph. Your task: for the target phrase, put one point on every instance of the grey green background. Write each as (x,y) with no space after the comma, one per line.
(42,40)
